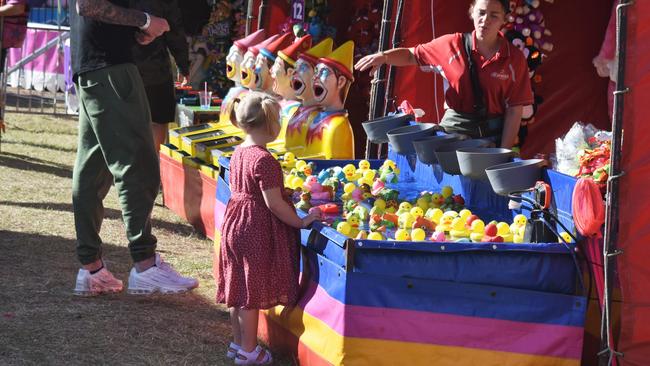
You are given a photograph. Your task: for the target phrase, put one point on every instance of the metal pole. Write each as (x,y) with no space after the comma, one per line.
(3,87)
(610,240)
(249,16)
(389,99)
(261,13)
(377,86)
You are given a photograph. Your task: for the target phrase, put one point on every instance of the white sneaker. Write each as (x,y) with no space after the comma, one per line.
(161,278)
(94,284)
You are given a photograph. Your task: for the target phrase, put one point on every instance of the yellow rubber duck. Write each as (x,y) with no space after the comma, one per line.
(458,229)
(418,235)
(296,182)
(289,160)
(351,173)
(404,207)
(518,228)
(364,165)
(446,191)
(422,203)
(436,200)
(464,214)
(445,222)
(477,230)
(378,208)
(402,235)
(405,220)
(416,212)
(300,164)
(375,236)
(344,228)
(434,214)
(518,236)
(367,177)
(390,164)
(503,230)
(348,188)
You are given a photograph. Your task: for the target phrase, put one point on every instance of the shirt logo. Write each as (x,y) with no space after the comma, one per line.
(501,75)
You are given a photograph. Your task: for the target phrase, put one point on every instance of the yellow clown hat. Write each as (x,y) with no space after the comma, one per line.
(341,59)
(322,49)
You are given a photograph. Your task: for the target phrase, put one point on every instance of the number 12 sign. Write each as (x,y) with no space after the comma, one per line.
(298,10)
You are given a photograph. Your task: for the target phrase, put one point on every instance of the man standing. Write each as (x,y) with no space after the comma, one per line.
(115,145)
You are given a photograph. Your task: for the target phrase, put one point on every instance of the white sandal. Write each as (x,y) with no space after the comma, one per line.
(233,348)
(251,358)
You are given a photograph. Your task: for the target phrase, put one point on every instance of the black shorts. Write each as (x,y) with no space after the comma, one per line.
(162,102)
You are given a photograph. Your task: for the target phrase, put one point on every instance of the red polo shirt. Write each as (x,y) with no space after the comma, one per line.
(503,78)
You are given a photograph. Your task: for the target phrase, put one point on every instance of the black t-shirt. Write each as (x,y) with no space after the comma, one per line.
(95,45)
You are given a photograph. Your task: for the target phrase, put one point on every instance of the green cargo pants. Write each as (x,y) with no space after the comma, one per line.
(115,147)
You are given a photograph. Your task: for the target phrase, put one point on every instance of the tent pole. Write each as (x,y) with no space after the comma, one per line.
(388,97)
(249,16)
(608,353)
(377,85)
(261,13)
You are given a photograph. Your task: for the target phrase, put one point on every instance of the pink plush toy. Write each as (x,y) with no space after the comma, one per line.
(316,189)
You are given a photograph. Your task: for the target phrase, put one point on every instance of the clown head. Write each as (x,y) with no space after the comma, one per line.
(247,67)
(236,55)
(284,67)
(333,77)
(302,78)
(265,60)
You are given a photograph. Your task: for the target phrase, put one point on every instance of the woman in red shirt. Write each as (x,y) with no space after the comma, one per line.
(501,72)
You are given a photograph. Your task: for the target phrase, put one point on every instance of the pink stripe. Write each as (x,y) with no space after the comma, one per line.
(443,329)
(219,211)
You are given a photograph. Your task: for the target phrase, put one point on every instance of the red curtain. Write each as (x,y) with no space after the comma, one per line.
(634,234)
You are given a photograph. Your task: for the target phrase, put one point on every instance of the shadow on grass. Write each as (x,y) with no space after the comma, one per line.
(42,322)
(41,146)
(109,213)
(24,162)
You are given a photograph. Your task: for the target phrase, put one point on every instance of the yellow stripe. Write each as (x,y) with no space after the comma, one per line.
(339,350)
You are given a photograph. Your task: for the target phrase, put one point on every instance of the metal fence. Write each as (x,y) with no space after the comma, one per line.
(37,77)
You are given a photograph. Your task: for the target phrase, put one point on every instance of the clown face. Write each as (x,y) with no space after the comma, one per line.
(327,87)
(233,61)
(246,70)
(302,82)
(262,74)
(282,79)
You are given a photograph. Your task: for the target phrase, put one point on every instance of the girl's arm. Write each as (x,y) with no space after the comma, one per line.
(280,208)
(511,122)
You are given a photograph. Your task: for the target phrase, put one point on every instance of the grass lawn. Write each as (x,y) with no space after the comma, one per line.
(41,322)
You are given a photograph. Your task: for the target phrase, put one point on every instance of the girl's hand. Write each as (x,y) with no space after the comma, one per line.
(313,216)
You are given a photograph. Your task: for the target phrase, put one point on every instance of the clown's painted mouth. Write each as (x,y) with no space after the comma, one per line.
(297,84)
(319,91)
(244,75)
(230,71)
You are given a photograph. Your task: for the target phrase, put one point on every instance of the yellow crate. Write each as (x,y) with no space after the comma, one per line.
(176,134)
(192,162)
(210,170)
(188,143)
(167,149)
(179,155)
(202,149)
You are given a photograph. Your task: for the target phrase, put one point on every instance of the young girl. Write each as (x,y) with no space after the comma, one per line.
(258,265)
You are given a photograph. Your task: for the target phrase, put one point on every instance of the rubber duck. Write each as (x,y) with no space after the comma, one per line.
(390,164)
(306,169)
(434,215)
(445,222)
(379,207)
(364,165)
(344,228)
(387,175)
(402,235)
(416,211)
(423,203)
(375,236)
(470,220)
(518,236)
(348,188)
(477,229)
(404,207)
(458,229)
(491,235)
(354,221)
(503,230)
(367,177)
(418,235)
(365,192)
(296,182)
(517,222)
(288,160)
(436,200)
(464,214)
(405,220)
(438,237)
(318,191)
(324,174)
(446,191)
(350,173)
(305,202)
(390,218)
(299,164)
(424,224)
(362,212)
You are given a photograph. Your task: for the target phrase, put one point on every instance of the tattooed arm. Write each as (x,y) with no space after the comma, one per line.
(107,12)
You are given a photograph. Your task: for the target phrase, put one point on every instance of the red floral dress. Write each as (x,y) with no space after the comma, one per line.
(259,258)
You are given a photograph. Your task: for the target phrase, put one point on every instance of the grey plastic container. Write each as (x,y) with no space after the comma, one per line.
(424,148)
(446,154)
(473,161)
(401,139)
(376,129)
(514,176)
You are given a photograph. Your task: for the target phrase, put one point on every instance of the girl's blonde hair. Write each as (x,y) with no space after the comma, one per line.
(254,110)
